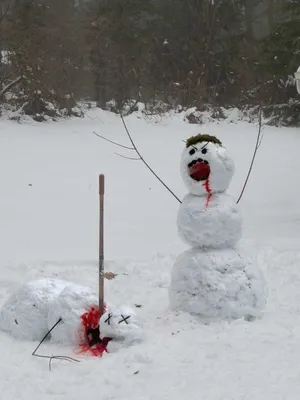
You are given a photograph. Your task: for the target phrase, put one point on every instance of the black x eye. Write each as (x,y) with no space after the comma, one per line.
(193,151)
(124,319)
(204,151)
(108,319)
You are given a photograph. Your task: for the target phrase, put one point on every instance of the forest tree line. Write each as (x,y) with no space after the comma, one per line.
(55,53)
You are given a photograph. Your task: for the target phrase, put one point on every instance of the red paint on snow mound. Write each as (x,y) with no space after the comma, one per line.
(90,319)
(96,350)
(94,346)
(199,170)
(206,185)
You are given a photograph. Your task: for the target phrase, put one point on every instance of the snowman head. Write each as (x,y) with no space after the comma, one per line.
(120,324)
(205,166)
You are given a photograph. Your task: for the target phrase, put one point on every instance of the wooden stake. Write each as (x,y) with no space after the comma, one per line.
(101,244)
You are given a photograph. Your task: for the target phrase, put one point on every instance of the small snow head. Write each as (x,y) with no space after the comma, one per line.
(120,324)
(206,167)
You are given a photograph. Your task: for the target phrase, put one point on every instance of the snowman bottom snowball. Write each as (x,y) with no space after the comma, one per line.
(216,285)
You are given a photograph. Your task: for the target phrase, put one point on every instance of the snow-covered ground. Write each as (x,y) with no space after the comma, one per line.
(49,227)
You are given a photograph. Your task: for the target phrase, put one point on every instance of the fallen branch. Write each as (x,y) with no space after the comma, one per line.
(9,86)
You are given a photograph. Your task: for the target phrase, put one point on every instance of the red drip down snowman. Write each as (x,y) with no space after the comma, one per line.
(212,279)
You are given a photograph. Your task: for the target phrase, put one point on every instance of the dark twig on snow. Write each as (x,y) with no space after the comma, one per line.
(257,145)
(143,160)
(66,358)
(128,158)
(44,338)
(140,157)
(50,358)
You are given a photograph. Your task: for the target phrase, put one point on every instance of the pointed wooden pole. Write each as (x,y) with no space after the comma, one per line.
(101,244)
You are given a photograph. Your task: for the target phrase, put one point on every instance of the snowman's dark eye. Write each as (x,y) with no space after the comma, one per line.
(204,151)
(193,151)
(124,319)
(108,319)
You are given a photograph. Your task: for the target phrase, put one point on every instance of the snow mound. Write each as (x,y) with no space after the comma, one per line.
(217,284)
(24,315)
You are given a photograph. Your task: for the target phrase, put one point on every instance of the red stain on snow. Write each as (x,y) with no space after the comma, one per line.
(97,350)
(90,321)
(206,185)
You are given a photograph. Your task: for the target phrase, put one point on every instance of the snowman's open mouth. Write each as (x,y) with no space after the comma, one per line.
(199,169)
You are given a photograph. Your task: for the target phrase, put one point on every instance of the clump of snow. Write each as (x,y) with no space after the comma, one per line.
(216,115)
(234,115)
(217,284)
(207,114)
(194,116)
(190,111)
(5,57)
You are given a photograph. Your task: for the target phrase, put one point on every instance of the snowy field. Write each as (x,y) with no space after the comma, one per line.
(49,228)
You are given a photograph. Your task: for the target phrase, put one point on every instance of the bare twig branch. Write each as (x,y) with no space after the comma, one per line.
(140,157)
(66,358)
(9,86)
(111,141)
(258,143)
(128,158)
(143,160)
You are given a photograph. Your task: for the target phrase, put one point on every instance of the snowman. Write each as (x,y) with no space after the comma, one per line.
(212,279)
(36,307)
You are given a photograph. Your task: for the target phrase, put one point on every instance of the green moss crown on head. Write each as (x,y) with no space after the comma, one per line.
(202,138)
